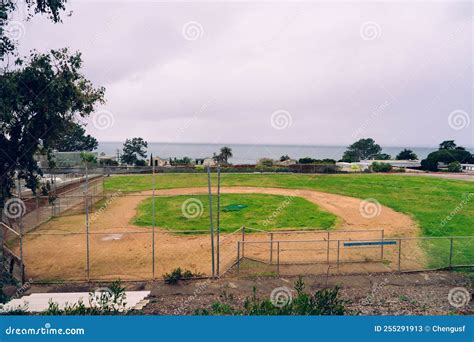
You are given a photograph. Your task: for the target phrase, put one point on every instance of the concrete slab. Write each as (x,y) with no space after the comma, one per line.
(38,302)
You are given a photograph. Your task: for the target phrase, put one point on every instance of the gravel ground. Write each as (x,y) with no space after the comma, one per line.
(420,293)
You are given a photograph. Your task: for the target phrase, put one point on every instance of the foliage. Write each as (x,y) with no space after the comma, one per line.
(75,138)
(88,158)
(107,301)
(448,153)
(264,162)
(223,156)
(454,167)
(429,165)
(284,158)
(178,274)
(33,119)
(51,9)
(406,155)
(308,160)
(133,150)
(181,161)
(362,149)
(326,301)
(381,167)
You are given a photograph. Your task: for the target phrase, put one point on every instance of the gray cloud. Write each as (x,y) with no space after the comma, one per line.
(397,82)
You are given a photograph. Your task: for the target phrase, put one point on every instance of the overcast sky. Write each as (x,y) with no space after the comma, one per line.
(280,73)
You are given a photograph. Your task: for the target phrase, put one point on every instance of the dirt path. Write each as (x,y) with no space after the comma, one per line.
(121,250)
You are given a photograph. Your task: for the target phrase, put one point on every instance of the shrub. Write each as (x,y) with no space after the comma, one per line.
(429,165)
(322,302)
(381,167)
(178,274)
(454,167)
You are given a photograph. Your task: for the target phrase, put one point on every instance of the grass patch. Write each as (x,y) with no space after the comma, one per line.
(262,212)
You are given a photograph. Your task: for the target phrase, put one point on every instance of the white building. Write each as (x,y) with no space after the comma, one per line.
(467,168)
(159,162)
(365,165)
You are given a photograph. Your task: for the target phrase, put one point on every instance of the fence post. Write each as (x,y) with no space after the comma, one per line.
(381,246)
(338,253)
(329,237)
(399,254)
(37,209)
(243,239)
(238,256)
(271,248)
(278,258)
(451,253)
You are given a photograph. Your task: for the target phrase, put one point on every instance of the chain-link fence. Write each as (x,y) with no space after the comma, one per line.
(345,255)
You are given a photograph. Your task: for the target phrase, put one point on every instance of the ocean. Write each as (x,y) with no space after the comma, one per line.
(249,154)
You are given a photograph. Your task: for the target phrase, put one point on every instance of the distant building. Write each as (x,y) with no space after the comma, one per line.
(365,165)
(287,162)
(208,161)
(467,168)
(159,162)
(62,159)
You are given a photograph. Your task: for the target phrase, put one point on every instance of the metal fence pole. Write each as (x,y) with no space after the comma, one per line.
(278,258)
(218,217)
(21,254)
(338,253)
(381,245)
(399,254)
(210,218)
(271,248)
(243,239)
(87,225)
(153,221)
(451,253)
(238,256)
(329,238)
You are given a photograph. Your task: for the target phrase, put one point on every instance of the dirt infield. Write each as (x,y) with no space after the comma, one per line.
(119,249)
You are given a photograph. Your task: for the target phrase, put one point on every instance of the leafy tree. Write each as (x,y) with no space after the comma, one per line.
(151,159)
(75,139)
(382,156)
(454,167)
(362,149)
(51,9)
(328,161)
(381,167)
(41,97)
(133,150)
(88,158)
(429,165)
(448,153)
(226,153)
(181,161)
(285,158)
(307,160)
(406,155)
(447,145)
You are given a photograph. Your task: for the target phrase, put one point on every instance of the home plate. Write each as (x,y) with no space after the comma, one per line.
(38,302)
(112,237)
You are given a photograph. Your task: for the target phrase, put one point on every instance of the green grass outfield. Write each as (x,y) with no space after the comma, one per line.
(428,200)
(441,207)
(262,212)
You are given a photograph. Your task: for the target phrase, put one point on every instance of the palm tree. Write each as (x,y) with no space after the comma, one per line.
(226,153)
